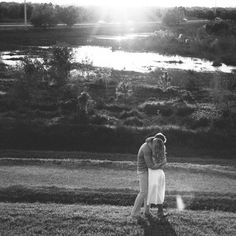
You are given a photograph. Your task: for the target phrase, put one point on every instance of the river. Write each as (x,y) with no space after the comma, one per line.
(122,60)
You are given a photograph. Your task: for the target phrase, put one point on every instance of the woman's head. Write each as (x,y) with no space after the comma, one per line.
(161,136)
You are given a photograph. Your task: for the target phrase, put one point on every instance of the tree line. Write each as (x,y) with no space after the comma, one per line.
(211,13)
(44,15)
(47,14)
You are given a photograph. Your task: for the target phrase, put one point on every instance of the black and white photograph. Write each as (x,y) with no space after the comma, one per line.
(118,118)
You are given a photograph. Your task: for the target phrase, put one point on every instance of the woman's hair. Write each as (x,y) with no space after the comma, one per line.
(158,149)
(161,136)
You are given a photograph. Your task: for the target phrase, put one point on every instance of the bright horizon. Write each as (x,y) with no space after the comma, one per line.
(130,3)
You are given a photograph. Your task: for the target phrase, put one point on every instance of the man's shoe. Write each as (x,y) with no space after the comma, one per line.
(149,216)
(162,215)
(134,219)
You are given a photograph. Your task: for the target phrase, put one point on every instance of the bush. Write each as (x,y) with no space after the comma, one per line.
(155,108)
(133,121)
(42,83)
(99,120)
(172,92)
(201,123)
(217,27)
(150,108)
(45,114)
(124,91)
(116,108)
(166,111)
(221,123)
(144,92)
(126,114)
(184,111)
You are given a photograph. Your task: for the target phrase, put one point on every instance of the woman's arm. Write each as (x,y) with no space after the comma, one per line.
(159,153)
(162,164)
(149,161)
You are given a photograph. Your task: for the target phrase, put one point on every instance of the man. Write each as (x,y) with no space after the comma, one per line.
(144,161)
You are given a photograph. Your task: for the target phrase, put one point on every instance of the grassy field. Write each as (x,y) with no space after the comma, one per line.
(179,177)
(209,186)
(101,193)
(54,219)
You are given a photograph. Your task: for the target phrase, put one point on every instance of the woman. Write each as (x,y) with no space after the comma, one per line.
(156,178)
(144,163)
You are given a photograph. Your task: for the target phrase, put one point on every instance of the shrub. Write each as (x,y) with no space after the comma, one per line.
(124,90)
(155,108)
(201,123)
(6,104)
(217,27)
(133,121)
(40,79)
(164,81)
(184,111)
(116,108)
(98,120)
(45,114)
(59,65)
(172,92)
(100,104)
(221,123)
(166,111)
(126,114)
(144,92)
(44,106)
(150,108)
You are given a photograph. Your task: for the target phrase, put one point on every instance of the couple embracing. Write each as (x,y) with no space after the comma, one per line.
(150,162)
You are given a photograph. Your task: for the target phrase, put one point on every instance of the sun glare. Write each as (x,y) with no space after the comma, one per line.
(120,3)
(159,3)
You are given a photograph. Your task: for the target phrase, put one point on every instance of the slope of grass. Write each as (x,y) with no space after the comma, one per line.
(118,197)
(53,219)
(113,182)
(94,177)
(80,155)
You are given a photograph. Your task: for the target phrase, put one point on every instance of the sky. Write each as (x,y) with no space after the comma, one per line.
(122,3)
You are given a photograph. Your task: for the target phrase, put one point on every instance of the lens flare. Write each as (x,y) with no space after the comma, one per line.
(180,203)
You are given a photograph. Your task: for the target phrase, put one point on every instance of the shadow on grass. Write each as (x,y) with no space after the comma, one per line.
(154,226)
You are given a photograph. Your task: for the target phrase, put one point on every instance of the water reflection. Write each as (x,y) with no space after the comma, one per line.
(143,61)
(131,61)
(123,37)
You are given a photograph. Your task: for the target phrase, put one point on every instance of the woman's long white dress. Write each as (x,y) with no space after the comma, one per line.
(156,186)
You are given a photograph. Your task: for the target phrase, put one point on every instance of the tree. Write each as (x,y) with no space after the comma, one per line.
(174,16)
(39,79)
(163,79)
(124,90)
(44,15)
(26,89)
(82,107)
(59,65)
(68,15)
